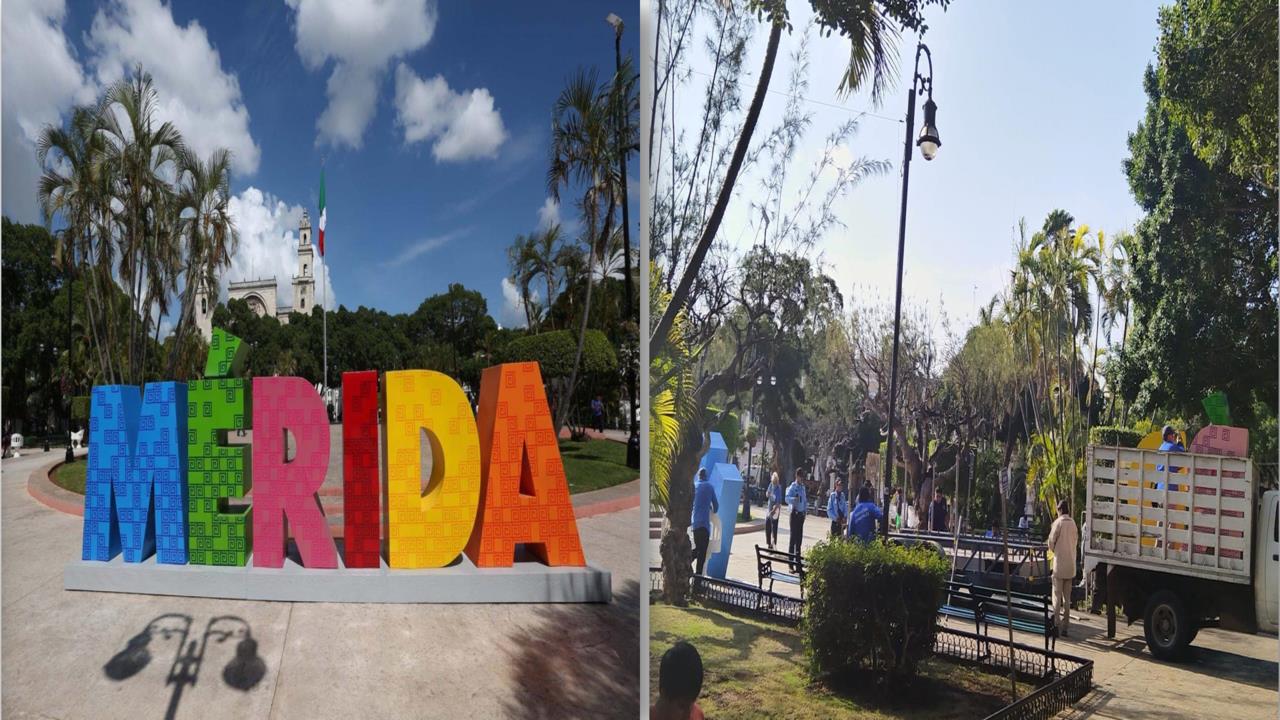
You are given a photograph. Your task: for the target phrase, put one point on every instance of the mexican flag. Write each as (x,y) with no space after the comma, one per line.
(320,237)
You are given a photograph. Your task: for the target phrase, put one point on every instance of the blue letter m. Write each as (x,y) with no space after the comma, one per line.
(135,445)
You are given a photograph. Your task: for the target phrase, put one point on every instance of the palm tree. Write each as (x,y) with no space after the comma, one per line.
(583,153)
(869,26)
(205,225)
(519,255)
(76,187)
(1117,299)
(139,155)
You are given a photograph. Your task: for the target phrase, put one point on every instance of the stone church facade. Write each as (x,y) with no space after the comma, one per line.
(260,294)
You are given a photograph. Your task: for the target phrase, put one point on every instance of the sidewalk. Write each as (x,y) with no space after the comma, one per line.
(69,654)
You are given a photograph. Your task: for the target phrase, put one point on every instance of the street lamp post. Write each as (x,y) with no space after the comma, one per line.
(69,262)
(633,439)
(929,144)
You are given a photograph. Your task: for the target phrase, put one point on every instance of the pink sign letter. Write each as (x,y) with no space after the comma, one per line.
(287,489)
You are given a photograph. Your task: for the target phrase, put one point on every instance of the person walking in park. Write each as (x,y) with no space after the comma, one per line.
(837,509)
(773,496)
(679,684)
(1063,540)
(938,512)
(704,503)
(863,517)
(798,499)
(597,413)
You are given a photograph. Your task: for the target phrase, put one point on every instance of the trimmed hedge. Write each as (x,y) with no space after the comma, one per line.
(870,615)
(1114,436)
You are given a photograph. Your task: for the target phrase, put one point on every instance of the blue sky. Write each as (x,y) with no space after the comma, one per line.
(434,139)
(1035,102)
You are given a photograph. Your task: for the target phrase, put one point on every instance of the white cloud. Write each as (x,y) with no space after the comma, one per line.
(512,312)
(268,246)
(194,92)
(548,214)
(464,126)
(41,79)
(426,245)
(361,39)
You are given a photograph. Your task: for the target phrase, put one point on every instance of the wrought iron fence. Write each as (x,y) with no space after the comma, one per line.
(748,598)
(1070,677)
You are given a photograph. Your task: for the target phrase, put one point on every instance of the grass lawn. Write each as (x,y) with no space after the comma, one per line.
(758,670)
(595,464)
(70,476)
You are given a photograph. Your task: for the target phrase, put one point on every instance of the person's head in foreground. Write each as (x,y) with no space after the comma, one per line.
(1063,508)
(839,486)
(702,474)
(773,479)
(864,494)
(679,684)
(1169,434)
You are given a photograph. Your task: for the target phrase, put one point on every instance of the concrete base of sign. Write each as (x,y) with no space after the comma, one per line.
(462,582)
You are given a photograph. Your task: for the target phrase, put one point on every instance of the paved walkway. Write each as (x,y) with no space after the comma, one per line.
(87,655)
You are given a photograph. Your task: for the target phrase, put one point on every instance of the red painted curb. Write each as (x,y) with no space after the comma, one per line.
(607,506)
(44,491)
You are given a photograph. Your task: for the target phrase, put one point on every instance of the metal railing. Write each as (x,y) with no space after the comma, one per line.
(1070,678)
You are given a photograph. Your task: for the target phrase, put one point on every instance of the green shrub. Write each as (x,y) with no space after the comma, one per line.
(871,611)
(1114,436)
(555,350)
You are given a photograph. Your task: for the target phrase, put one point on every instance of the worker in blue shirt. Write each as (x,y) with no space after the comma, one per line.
(1171,444)
(704,503)
(798,499)
(837,509)
(862,520)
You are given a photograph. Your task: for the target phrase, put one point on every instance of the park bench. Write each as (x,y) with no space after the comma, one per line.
(1023,611)
(765,561)
(962,604)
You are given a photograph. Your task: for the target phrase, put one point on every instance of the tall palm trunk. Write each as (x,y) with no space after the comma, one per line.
(680,296)
(567,403)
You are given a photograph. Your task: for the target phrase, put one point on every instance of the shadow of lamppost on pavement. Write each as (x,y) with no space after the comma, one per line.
(243,672)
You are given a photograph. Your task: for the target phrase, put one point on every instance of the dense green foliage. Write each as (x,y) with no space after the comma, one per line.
(1218,81)
(870,611)
(1204,278)
(1114,436)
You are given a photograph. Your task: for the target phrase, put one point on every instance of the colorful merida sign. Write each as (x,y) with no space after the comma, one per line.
(160,472)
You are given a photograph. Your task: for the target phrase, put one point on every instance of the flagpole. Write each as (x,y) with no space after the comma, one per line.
(324,315)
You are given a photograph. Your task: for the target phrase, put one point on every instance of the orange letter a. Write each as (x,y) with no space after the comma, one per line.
(523,491)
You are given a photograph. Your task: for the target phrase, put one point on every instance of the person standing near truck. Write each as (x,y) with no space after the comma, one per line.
(1064,538)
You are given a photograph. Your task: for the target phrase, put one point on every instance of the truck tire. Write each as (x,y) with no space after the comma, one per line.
(1167,626)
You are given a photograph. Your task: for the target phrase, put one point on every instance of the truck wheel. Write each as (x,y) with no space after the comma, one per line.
(1167,626)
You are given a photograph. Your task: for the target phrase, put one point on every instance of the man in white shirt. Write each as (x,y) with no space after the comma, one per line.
(1064,538)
